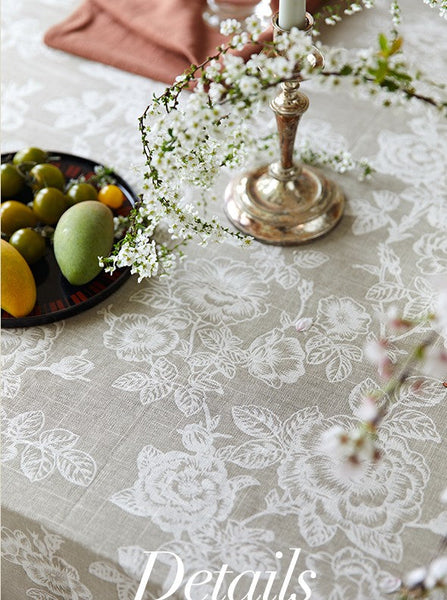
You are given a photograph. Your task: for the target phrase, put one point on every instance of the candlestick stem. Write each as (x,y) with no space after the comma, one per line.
(288,106)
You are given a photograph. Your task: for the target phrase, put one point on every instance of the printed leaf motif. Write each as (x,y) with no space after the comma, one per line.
(319,349)
(152,393)
(416,307)
(423,287)
(272,499)
(104,571)
(9,450)
(242,481)
(386,200)
(370,220)
(385,292)
(362,390)
(36,594)
(256,454)
(215,422)
(226,452)
(189,401)
(208,384)
(201,360)
(378,544)
(301,421)
(131,382)
(76,466)
(389,260)
(127,590)
(146,458)
(312,528)
(422,392)
(227,369)
(26,424)
(256,421)
(352,352)
(309,259)
(58,439)
(10,386)
(164,370)
(186,349)
(255,557)
(157,296)
(39,544)
(208,535)
(211,339)
(285,320)
(53,542)
(144,296)
(132,560)
(37,462)
(287,276)
(413,424)
(125,499)
(235,355)
(196,438)
(338,369)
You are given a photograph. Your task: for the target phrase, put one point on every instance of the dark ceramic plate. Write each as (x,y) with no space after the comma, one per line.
(56,297)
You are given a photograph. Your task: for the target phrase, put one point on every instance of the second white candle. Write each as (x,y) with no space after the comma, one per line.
(292,13)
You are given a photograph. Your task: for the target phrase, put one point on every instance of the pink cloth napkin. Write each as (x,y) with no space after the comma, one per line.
(154,38)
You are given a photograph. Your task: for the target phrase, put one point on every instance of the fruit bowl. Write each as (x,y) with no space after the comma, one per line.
(56,298)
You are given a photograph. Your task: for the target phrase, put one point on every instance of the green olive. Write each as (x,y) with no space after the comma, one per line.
(45,175)
(27,158)
(48,205)
(79,192)
(12,181)
(29,243)
(16,215)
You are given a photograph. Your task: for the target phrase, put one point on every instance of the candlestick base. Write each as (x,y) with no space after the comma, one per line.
(284,208)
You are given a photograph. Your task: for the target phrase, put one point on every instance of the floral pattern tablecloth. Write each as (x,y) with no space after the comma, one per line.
(187,414)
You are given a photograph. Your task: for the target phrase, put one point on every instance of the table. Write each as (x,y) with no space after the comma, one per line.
(185,415)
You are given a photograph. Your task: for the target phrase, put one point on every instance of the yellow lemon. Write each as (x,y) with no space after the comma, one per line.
(18,284)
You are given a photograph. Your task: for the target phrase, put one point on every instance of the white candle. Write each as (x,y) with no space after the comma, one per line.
(292,13)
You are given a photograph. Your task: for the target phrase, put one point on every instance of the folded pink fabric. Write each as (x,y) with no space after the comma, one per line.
(154,38)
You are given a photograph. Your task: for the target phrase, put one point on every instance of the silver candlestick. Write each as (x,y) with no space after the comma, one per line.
(285,203)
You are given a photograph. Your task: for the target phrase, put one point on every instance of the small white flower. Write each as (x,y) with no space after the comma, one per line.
(335,441)
(435,362)
(254,27)
(368,410)
(230,27)
(415,578)
(437,573)
(376,351)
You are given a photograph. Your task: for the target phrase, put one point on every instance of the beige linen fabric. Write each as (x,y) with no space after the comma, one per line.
(186,414)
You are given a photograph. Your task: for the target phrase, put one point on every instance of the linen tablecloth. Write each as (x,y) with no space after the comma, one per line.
(186,414)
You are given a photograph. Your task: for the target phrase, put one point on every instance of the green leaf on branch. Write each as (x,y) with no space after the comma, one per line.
(383,43)
(396,45)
